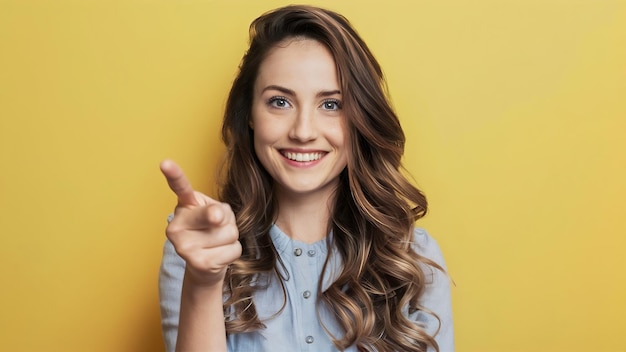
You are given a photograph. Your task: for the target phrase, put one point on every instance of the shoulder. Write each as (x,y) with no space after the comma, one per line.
(426,246)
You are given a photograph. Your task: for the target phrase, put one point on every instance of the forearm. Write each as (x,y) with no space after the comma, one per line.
(201,322)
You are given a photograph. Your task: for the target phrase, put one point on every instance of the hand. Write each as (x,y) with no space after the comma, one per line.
(204,231)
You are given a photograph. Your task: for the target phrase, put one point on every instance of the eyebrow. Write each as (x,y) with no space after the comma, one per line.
(287,91)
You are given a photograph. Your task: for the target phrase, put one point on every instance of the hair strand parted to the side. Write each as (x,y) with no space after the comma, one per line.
(375,205)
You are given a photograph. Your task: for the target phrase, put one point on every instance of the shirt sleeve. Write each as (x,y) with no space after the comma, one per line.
(436,297)
(171,276)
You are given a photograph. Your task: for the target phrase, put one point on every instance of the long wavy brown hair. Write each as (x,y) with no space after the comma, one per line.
(375,205)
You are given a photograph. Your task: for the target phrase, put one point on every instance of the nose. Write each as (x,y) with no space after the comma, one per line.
(304,128)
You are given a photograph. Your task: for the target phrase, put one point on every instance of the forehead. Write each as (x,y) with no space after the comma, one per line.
(299,62)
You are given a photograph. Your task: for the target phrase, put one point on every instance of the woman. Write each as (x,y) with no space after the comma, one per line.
(312,245)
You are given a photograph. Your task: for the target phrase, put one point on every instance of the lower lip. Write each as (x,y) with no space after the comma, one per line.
(302,164)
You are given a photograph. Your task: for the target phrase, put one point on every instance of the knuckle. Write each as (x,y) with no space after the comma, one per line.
(213,213)
(238,249)
(172,233)
(185,248)
(232,232)
(172,229)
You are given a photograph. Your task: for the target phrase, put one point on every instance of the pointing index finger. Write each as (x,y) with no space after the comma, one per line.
(178,183)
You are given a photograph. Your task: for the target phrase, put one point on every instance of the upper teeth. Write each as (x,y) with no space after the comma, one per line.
(303,156)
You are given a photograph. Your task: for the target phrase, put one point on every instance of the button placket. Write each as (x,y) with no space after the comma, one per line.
(311,253)
(307,294)
(306,269)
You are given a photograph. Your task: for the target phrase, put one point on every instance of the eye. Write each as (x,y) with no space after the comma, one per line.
(278,102)
(331,104)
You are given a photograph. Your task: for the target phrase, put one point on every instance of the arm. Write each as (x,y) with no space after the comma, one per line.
(437,296)
(180,298)
(203,241)
(171,276)
(201,326)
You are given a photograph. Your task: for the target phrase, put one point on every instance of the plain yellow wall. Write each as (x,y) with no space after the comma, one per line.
(515,113)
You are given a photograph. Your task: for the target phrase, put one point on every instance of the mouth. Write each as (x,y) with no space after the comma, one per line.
(303,157)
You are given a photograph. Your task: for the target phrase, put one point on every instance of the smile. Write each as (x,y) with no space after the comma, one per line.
(303,157)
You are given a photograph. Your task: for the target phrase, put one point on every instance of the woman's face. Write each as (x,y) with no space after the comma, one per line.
(297,118)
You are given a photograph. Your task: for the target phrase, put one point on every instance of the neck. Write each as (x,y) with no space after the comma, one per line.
(304,217)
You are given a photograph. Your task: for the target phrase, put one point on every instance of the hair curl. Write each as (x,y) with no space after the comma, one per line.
(375,205)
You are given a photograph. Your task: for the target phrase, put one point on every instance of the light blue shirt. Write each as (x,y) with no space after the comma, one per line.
(299,326)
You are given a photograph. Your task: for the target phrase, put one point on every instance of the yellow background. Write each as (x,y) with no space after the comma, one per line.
(515,113)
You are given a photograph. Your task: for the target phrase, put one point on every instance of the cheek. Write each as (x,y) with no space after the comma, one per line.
(262,134)
(338,136)
(258,143)
(342,138)
(264,138)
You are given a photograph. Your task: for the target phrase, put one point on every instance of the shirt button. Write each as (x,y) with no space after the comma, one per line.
(297,252)
(309,339)
(306,294)
(311,253)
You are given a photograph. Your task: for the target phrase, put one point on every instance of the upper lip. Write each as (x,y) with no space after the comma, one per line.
(301,150)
